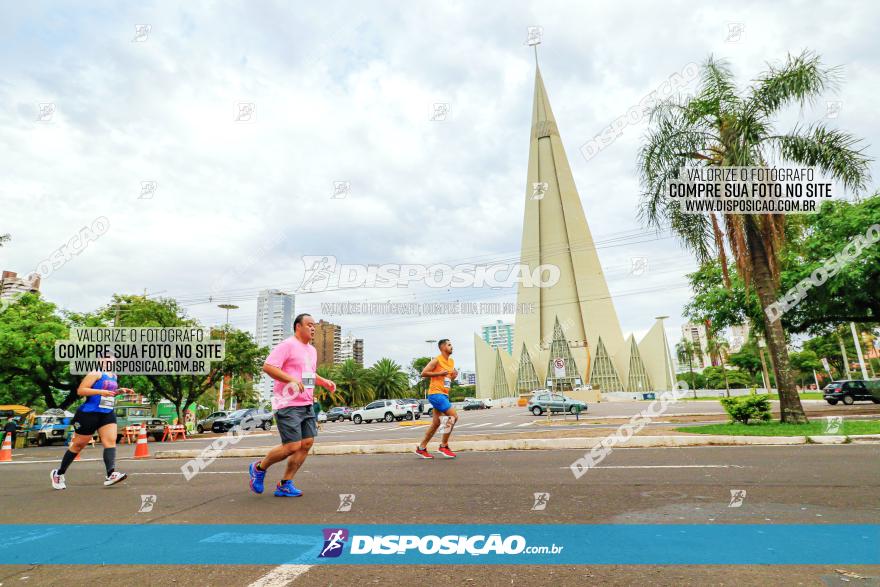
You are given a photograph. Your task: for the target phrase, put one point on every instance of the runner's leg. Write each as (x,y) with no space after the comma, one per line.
(107,434)
(450,424)
(432,429)
(79,442)
(295,461)
(278,454)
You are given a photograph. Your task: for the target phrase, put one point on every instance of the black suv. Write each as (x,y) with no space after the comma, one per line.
(852,390)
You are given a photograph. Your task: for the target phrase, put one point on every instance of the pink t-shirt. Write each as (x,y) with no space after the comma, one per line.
(299,360)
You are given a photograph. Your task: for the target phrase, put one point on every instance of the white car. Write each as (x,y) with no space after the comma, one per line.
(383,409)
(322,417)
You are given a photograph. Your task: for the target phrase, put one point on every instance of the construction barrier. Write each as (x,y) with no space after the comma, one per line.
(173,431)
(130,434)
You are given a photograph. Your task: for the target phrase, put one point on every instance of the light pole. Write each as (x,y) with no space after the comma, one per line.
(226,307)
(761,345)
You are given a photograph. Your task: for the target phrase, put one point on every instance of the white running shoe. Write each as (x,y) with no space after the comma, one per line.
(115,477)
(57,480)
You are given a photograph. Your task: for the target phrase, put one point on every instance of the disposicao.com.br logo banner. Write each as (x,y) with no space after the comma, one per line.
(475,544)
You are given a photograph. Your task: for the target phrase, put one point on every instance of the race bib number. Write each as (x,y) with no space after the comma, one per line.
(447,383)
(308,380)
(107,402)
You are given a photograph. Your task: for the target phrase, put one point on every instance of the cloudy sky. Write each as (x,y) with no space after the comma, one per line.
(93,108)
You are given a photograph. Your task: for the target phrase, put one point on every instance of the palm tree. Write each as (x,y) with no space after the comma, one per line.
(389,379)
(351,380)
(685,350)
(722,127)
(326,398)
(718,346)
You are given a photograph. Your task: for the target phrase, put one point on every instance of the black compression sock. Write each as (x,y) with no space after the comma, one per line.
(110,459)
(65,461)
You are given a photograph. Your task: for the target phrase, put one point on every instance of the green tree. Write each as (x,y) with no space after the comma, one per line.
(242,356)
(388,379)
(419,383)
(685,350)
(717,346)
(351,380)
(811,241)
(720,127)
(804,362)
(29,373)
(851,295)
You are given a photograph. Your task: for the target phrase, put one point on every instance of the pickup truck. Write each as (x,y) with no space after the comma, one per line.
(137,415)
(48,428)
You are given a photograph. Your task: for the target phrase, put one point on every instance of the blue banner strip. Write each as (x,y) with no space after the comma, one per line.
(275,544)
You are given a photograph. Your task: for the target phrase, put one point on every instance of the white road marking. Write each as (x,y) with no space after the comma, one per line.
(524,425)
(666,467)
(502,425)
(51,461)
(483,425)
(139,473)
(280,576)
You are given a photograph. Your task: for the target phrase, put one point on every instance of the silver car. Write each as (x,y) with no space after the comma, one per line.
(208,423)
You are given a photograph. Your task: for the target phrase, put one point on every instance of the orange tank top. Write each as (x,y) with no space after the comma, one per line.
(442,383)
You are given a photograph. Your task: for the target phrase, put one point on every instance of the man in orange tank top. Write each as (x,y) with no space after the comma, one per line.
(440,371)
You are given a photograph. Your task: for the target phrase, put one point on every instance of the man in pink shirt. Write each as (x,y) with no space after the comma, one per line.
(292,364)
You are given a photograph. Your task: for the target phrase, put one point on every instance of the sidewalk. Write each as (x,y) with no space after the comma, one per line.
(577,439)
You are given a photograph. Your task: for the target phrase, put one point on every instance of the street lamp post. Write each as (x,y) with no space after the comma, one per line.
(227,307)
(761,346)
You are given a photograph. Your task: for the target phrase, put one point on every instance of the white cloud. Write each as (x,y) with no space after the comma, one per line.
(344,92)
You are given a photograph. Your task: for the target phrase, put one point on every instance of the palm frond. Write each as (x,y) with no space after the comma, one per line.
(833,151)
(801,79)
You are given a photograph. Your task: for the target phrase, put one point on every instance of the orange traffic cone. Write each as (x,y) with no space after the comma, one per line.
(140,450)
(6,449)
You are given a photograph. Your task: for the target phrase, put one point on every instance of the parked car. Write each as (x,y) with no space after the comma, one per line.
(414,404)
(262,419)
(322,416)
(208,423)
(849,391)
(47,428)
(137,415)
(554,402)
(383,409)
(475,404)
(339,413)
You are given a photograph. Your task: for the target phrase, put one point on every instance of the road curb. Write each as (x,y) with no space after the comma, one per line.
(583,442)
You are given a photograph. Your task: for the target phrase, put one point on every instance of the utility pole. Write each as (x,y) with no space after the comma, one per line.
(843,352)
(761,345)
(852,326)
(227,307)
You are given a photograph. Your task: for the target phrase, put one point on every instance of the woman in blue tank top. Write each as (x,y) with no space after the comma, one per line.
(96,414)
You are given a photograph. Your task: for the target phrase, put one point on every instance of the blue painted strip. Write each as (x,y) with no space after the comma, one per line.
(266,544)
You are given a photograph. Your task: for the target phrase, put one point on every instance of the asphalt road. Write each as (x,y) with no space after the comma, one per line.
(795,484)
(475,423)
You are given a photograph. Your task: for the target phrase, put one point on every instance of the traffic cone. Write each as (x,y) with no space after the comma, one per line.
(140,450)
(6,449)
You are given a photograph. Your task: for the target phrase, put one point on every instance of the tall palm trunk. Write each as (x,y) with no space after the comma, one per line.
(790,407)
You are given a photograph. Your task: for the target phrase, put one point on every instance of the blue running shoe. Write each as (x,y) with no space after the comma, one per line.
(257,477)
(286,489)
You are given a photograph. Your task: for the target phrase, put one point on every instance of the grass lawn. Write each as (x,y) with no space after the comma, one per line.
(814,428)
(807,395)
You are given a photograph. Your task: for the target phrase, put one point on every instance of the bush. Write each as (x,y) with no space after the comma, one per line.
(695,382)
(745,408)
